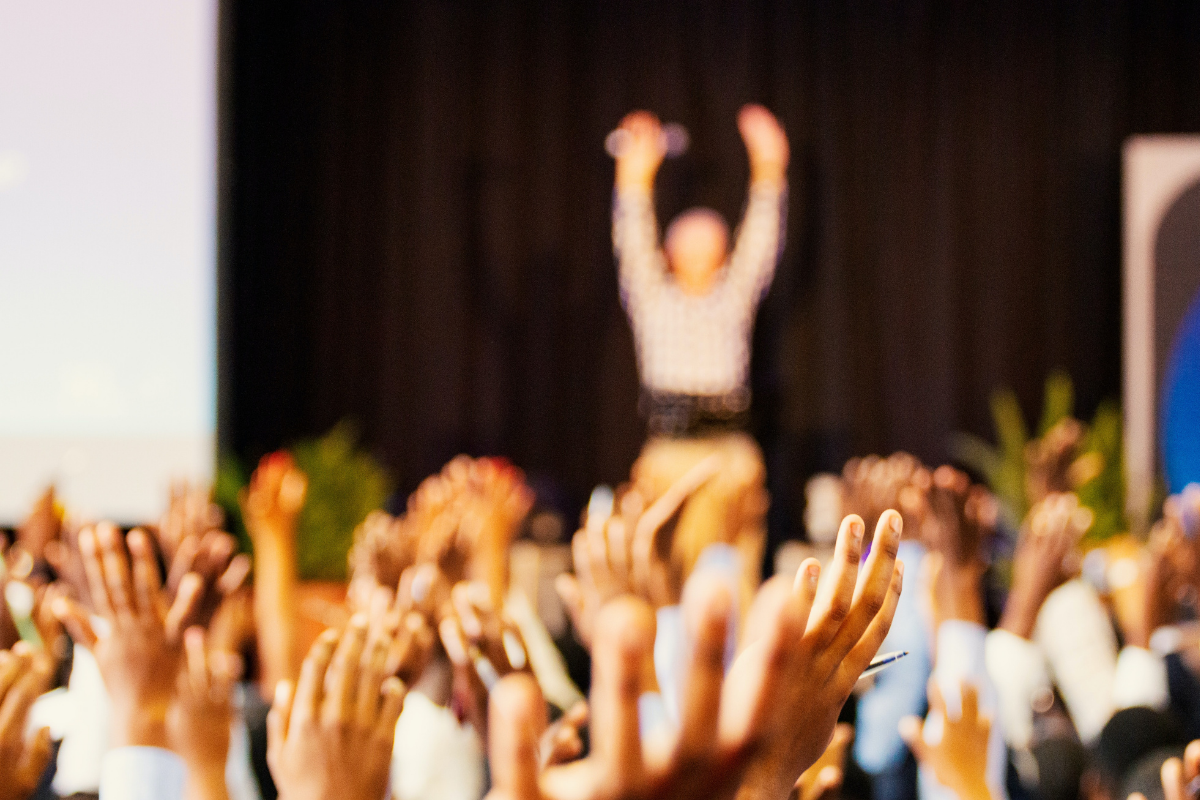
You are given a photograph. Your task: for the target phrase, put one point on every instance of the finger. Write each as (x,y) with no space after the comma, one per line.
(36,757)
(597,554)
(970,703)
(706,610)
(341,679)
(181,564)
(75,619)
(1191,760)
(394,692)
(567,586)
(1174,787)
(371,681)
(308,693)
(19,698)
(912,732)
(617,544)
(579,555)
(874,583)
(804,589)
(277,720)
(835,595)
(145,573)
(183,609)
(465,599)
(12,665)
(517,716)
(868,645)
(197,661)
(624,640)
(453,641)
(116,569)
(89,552)
(235,575)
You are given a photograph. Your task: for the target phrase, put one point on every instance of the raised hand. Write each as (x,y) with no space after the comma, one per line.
(754,733)
(190,514)
(331,734)
(785,690)
(959,759)
(198,723)
(824,777)
(766,144)
(483,645)
(1179,775)
(271,507)
(139,646)
(23,676)
(1051,532)
(642,151)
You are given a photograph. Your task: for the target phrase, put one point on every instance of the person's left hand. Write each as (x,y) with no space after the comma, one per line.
(766,143)
(198,723)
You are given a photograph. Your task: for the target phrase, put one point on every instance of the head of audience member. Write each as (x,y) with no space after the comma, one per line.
(696,244)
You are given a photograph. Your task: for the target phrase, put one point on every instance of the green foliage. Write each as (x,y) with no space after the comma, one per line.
(1105,493)
(231,479)
(1003,465)
(344,485)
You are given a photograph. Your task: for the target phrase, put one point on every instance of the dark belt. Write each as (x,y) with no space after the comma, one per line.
(690,415)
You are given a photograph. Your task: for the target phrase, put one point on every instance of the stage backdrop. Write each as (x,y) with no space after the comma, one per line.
(418,222)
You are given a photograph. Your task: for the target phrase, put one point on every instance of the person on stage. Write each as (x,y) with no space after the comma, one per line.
(691,304)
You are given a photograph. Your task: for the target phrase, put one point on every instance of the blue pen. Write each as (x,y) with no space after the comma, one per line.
(882,662)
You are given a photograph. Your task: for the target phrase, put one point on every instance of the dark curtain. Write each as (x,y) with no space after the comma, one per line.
(418,216)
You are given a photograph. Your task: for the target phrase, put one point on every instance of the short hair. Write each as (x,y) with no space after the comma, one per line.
(698,214)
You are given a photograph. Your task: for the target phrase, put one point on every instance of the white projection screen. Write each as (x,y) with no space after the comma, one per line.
(107,252)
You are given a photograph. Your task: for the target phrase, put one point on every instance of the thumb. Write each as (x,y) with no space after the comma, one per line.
(911,731)
(36,757)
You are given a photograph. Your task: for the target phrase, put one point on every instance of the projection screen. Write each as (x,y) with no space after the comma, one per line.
(107,252)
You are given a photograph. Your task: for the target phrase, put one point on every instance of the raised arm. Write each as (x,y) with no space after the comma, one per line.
(760,236)
(640,262)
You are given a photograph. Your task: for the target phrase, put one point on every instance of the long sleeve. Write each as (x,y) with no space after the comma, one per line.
(141,773)
(1018,671)
(1074,632)
(759,242)
(641,266)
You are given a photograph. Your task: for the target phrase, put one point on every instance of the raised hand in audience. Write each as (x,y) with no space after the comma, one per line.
(483,645)
(959,759)
(331,733)
(1049,461)
(754,733)
(198,723)
(138,647)
(271,507)
(824,778)
(23,676)
(1180,775)
(190,514)
(959,517)
(1049,535)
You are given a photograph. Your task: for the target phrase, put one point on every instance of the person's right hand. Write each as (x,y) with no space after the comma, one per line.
(272,503)
(1051,532)
(198,723)
(755,732)
(23,676)
(642,151)
(331,734)
(1178,775)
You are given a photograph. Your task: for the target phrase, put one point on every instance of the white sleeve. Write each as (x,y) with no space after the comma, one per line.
(759,242)
(1074,632)
(1141,680)
(961,657)
(141,773)
(641,265)
(1018,671)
